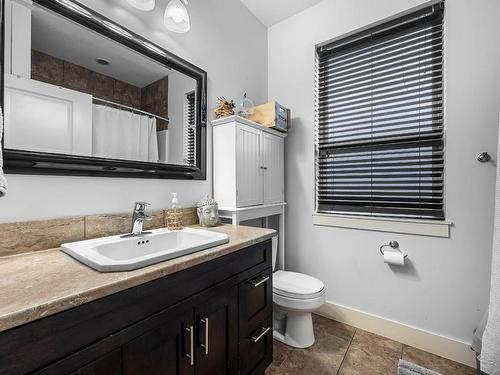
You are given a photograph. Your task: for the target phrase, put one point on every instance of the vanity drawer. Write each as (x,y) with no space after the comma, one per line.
(255,301)
(256,349)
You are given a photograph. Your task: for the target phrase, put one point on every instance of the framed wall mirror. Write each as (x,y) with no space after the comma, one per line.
(84,96)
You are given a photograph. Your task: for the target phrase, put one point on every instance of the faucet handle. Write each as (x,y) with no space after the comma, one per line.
(141,206)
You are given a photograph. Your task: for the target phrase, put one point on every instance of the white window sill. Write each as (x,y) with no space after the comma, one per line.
(406,226)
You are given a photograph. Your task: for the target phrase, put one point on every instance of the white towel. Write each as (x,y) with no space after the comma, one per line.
(3,181)
(490,354)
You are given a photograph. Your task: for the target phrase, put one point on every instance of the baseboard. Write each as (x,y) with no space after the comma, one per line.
(455,350)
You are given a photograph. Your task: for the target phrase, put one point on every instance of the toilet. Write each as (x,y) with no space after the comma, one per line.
(295,297)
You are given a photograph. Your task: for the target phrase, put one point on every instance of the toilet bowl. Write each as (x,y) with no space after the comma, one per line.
(295,297)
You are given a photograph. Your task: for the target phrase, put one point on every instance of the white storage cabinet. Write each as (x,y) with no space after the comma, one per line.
(248,163)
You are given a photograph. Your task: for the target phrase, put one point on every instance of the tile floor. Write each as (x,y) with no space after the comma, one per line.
(344,350)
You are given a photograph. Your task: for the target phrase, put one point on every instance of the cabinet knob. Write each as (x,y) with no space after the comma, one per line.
(262,167)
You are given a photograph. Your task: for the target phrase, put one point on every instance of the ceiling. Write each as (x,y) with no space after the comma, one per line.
(270,12)
(61,38)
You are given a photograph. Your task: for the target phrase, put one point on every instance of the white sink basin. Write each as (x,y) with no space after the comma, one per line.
(110,254)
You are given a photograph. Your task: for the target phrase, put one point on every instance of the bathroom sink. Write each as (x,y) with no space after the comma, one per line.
(115,253)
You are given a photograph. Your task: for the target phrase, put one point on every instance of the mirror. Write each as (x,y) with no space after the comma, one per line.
(84,96)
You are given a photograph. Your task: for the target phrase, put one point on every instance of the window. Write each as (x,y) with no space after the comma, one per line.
(379,120)
(190,129)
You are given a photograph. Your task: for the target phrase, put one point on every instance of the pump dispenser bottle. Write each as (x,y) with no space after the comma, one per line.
(174,214)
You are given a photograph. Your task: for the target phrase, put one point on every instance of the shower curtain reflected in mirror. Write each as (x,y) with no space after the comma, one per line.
(120,134)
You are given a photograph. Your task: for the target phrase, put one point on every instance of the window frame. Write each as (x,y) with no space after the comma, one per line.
(413,225)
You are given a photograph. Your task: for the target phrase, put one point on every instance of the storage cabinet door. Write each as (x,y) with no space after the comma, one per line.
(249,176)
(166,349)
(274,171)
(217,333)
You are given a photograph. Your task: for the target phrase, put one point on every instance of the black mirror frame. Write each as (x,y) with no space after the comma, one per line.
(40,163)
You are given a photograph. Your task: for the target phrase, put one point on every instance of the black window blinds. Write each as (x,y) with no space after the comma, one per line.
(379,119)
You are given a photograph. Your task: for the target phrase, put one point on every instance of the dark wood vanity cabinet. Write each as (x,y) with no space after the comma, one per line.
(200,339)
(214,318)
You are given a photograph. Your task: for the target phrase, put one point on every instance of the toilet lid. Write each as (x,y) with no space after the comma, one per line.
(296,285)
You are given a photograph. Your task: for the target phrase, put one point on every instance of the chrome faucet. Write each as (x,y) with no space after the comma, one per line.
(139,216)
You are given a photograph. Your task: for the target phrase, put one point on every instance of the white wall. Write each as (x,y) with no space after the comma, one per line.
(445,288)
(226,40)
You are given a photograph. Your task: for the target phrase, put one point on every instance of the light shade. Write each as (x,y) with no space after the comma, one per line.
(145,5)
(176,17)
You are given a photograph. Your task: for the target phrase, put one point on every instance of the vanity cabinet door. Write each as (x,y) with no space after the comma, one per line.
(166,349)
(217,333)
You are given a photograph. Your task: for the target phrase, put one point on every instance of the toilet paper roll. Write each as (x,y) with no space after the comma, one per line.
(394,258)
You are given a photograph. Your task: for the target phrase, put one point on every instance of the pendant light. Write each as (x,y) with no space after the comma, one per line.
(176,17)
(145,5)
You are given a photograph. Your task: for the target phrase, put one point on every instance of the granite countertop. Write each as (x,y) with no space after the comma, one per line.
(38,284)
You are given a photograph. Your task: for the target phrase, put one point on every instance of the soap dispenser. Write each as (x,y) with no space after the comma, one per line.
(174,214)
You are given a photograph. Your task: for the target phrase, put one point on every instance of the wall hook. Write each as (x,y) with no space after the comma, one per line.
(483,157)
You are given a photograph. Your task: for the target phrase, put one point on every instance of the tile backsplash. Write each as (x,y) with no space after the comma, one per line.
(28,236)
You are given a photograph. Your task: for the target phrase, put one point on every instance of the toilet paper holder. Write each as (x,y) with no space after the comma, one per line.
(394,245)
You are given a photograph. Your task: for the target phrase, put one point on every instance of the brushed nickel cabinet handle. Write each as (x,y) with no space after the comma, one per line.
(261,281)
(264,332)
(205,321)
(191,345)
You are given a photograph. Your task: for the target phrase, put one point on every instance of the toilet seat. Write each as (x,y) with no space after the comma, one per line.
(297,285)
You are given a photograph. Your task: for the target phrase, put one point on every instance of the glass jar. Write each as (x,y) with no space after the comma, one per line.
(245,107)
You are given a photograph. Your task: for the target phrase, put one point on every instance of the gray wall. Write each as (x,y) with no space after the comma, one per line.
(446,289)
(226,40)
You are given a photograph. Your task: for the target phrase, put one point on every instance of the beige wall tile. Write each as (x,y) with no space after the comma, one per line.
(112,224)
(102,86)
(46,68)
(127,94)
(190,216)
(157,221)
(29,236)
(77,77)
